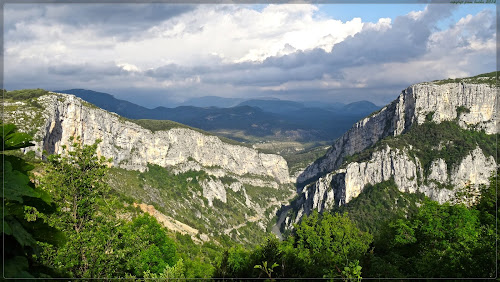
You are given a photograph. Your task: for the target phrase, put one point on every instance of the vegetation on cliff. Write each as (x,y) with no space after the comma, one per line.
(430,141)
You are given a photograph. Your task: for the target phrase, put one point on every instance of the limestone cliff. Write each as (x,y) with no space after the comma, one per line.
(441,101)
(332,181)
(133,147)
(209,187)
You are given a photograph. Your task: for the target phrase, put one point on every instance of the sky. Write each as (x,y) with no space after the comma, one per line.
(163,54)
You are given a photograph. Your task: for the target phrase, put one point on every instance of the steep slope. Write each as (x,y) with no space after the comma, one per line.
(183,172)
(434,138)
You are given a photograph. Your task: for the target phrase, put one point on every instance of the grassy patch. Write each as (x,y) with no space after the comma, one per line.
(302,159)
(25,111)
(24,94)
(485,78)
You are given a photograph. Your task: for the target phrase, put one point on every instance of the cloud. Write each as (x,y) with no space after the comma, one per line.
(124,21)
(287,51)
(96,70)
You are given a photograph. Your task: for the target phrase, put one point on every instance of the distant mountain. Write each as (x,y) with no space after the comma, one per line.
(212,101)
(360,107)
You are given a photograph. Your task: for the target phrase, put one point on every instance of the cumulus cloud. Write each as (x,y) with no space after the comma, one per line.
(288,51)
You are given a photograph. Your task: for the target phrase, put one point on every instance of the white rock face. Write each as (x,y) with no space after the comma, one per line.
(341,186)
(475,168)
(413,105)
(133,147)
(323,184)
(213,189)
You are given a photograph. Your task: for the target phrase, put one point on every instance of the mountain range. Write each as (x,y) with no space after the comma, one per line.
(272,119)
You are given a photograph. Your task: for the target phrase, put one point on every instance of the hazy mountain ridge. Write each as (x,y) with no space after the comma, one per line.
(269,118)
(460,109)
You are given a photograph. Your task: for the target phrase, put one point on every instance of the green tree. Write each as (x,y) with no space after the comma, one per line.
(23,210)
(235,262)
(75,179)
(100,243)
(152,251)
(328,243)
(441,240)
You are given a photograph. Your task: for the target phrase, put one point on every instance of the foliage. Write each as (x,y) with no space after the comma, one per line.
(486,78)
(329,242)
(180,196)
(319,246)
(265,269)
(380,204)
(76,181)
(462,109)
(170,272)
(23,210)
(25,94)
(353,271)
(98,244)
(429,116)
(153,251)
(299,160)
(441,240)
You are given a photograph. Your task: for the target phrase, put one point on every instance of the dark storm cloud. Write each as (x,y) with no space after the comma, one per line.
(407,39)
(177,71)
(87,70)
(123,21)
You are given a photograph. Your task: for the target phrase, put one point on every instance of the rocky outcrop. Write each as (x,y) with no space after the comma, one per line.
(472,105)
(132,147)
(341,186)
(226,197)
(329,181)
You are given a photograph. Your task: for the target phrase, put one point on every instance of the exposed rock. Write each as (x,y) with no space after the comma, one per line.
(231,168)
(213,189)
(472,106)
(133,147)
(172,224)
(341,186)
(414,104)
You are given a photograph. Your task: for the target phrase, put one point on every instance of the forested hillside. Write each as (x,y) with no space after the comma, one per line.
(65,221)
